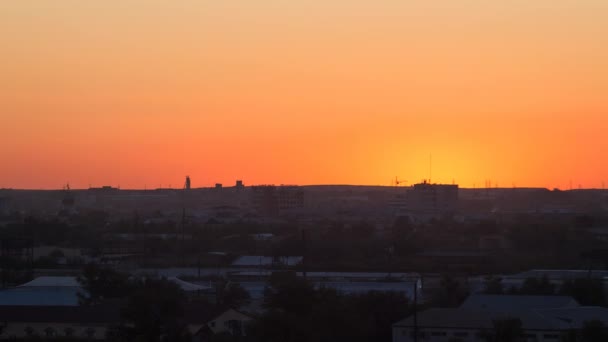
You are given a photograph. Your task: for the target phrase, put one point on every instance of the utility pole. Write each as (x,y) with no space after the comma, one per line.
(430,167)
(198,264)
(183,237)
(416,311)
(304,253)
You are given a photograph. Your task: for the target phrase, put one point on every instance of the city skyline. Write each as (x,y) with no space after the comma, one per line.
(141,93)
(394,183)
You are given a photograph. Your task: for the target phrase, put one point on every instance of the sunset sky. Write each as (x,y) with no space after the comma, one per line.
(141,93)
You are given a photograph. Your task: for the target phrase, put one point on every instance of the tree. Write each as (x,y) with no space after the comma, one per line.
(587,291)
(153,312)
(56,254)
(493,285)
(299,312)
(277,326)
(102,283)
(233,295)
(594,331)
(504,330)
(537,287)
(450,294)
(403,236)
(289,293)
(382,309)
(362,230)
(68,331)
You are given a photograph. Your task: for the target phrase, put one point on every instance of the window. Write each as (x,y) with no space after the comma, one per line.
(551,336)
(234,327)
(461,334)
(29,331)
(403,332)
(69,332)
(439,333)
(90,332)
(49,332)
(421,334)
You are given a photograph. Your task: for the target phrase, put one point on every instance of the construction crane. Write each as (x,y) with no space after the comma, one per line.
(398,182)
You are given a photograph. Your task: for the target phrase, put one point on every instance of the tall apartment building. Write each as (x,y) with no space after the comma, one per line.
(426,200)
(270,200)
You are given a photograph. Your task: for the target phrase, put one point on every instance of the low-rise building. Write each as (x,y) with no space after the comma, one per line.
(542,318)
(47,322)
(43,291)
(230,321)
(270,200)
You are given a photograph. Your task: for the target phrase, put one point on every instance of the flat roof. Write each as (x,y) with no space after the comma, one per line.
(458,318)
(51,281)
(516,303)
(40,296)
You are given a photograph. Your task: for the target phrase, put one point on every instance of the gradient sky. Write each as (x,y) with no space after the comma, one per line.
(141,93)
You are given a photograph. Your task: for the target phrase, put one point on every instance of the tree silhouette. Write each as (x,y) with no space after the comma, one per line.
(493,285)
(102,283)
(505,330)
(594,331)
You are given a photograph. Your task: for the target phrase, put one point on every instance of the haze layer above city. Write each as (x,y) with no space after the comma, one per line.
(139,94)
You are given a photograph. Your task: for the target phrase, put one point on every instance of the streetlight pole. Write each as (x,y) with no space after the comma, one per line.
(416,311)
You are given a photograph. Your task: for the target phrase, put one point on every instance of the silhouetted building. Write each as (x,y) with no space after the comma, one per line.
(542,318)
(290,197)
(239,185)
(16,259)
(426,200)
(4,207)
(264,200)
(270,200)
(105,189)
(88,323)
(230,322)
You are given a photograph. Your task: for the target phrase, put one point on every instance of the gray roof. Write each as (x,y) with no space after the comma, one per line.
(100,314)
(258,260)
(40,296)
(458,318)
(189,287)
(547,319)
(453,317)
(561,274)
(53,282)
(576,317)
(535,313)
(516,303)
(43,291)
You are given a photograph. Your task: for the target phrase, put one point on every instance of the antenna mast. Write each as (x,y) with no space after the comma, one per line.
(430,167)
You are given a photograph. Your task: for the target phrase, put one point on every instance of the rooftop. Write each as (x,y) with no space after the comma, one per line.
(53,282)
(459,318)
(516,303)
(258,260)
(39,296)
(43,291)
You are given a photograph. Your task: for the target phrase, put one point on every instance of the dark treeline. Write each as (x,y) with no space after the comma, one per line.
(154,309)
(587,291)
(529,242)
(296,311)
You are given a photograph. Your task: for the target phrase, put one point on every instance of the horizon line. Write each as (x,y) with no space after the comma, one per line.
(301,185)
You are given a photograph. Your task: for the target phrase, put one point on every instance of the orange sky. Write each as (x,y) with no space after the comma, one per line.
(140,93)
